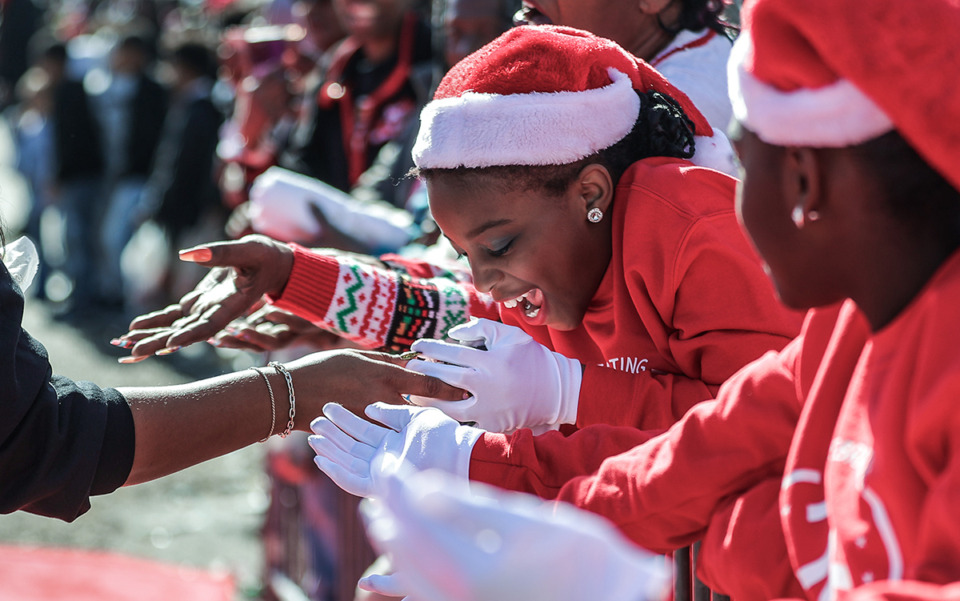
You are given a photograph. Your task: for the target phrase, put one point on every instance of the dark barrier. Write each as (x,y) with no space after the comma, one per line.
(686,585)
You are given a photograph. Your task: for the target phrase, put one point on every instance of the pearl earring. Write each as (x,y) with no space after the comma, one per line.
(594,215)
(799,219)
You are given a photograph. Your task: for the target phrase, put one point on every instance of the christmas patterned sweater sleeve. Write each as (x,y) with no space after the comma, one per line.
(380,304)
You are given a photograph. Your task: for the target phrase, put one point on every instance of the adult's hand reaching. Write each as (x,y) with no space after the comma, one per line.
(270,329)
(243,271)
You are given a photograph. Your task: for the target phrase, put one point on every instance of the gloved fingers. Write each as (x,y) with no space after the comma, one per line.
(326,430)
(488,332)
(352,464)
(349,481)
(384,584)
(356,427)
(396,417)
(457,354)
(454,375)
(473,332)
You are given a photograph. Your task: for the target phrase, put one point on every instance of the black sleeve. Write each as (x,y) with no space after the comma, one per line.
(60,441)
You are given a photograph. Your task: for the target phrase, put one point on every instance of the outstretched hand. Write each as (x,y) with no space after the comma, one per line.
(270,329)
(244,270)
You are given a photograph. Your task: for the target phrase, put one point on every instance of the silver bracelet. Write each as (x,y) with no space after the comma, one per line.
(293,398)
(273,404)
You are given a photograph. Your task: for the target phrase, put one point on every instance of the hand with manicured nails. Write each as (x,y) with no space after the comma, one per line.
(356,453)
(244,270)
(270,329)
(516,382)
(448,542)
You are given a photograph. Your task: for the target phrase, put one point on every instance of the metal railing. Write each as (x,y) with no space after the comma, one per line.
(686,585)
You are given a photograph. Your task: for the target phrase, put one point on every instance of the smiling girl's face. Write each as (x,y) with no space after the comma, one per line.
(534,252)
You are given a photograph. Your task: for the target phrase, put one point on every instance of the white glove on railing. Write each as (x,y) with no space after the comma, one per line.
(355,452)
(451,543)
(516,382)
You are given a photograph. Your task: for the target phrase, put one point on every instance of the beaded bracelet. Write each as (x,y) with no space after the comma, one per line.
(282,370)
(273,404)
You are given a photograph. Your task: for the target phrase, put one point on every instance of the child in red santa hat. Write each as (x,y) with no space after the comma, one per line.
(561,167)
(847,442)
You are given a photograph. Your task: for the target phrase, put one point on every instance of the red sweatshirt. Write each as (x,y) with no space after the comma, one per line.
(683,305)
(860,430)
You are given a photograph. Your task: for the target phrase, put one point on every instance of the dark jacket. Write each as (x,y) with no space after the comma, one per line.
(77,144)
(182,184)
(149,108)
(60,441)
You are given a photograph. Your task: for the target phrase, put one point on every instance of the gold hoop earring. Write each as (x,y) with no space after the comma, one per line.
(594,215)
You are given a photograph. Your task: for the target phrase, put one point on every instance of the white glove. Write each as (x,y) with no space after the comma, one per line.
(516,382)
(355,452)
(451,543)
(280,208)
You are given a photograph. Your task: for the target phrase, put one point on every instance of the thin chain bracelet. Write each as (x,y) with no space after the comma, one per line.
(282,370)
(273,404)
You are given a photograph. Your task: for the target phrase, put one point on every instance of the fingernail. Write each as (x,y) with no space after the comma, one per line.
(131,359)
(122,343)
(168,351)
(213,342)
(197,255)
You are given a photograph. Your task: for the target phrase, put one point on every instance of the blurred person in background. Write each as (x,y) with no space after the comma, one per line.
(132,109)
(181,193)
(77,178)
(19,20)
(686,40)
(377,79)
(32,129)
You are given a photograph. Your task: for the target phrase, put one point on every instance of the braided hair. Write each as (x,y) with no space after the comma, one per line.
(662,129)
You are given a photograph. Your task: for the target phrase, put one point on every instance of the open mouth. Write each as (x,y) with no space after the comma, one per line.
(530,15)
(529,302)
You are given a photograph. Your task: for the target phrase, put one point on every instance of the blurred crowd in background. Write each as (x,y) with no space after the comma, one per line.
(141,126)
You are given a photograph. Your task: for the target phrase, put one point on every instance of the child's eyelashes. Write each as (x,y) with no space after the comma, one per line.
(500,251)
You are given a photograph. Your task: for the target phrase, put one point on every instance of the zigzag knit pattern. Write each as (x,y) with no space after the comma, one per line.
(380,306)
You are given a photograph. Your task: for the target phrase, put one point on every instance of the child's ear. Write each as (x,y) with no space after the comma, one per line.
(801,184)
(596,187)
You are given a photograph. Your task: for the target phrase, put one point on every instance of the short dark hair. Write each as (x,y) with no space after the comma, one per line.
(196,58)
(915,192)
(55,51)
(662,129)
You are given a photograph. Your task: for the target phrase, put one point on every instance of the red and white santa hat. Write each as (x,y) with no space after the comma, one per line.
(546,95)
(826,73)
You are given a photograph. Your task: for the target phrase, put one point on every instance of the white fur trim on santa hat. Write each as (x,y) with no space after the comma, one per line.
(831,116)
(539,128)
(715,152)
